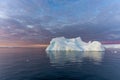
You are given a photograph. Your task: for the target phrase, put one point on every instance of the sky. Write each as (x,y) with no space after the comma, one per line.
(34,22)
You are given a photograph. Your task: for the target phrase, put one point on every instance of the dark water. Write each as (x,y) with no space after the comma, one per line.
(36,64)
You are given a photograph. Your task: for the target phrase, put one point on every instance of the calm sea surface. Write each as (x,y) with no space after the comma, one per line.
(36,64)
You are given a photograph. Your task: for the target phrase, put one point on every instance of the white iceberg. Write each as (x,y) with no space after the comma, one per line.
(74,44)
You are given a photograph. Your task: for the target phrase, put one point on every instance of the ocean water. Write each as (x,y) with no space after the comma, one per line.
(36,64)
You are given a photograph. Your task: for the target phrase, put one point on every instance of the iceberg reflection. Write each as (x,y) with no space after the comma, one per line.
(64,57)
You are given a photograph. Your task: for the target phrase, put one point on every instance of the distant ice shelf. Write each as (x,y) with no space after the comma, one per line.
(74,44)
(114,46)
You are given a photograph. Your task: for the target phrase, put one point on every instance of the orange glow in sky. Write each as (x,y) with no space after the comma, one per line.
(21,44)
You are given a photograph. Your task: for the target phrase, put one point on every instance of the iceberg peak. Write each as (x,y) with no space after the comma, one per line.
(73,44)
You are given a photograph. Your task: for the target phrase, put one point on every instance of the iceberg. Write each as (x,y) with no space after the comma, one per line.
(74,44)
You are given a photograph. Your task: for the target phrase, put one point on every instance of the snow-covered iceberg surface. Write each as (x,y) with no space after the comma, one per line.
(74,44)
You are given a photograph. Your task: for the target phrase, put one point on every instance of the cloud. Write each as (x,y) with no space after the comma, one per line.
(39,20)
(30,26)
